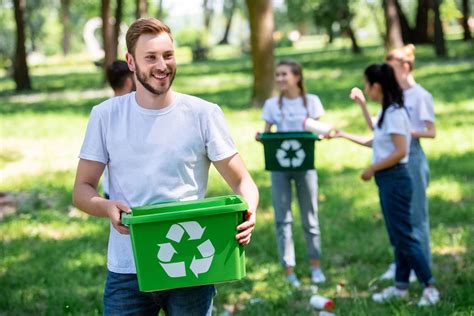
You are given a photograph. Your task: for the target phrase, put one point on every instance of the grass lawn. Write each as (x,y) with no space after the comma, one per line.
(52,256)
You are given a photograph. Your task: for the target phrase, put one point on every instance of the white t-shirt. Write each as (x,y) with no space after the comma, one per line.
(395,121)
(154,155)
(293,112)
(419,104)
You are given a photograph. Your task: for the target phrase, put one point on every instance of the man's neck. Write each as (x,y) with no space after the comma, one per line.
(148,100)
(408,83)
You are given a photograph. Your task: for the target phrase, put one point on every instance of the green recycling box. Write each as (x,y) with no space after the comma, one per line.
(289,151)
(190,243)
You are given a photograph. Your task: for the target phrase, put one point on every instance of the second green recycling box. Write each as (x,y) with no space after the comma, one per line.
(187,243)
(289,151)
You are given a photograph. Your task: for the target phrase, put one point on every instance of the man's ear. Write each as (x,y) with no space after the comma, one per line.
(130,61)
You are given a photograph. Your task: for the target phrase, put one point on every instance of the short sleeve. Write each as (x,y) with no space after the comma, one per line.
(395,122)
(317,109)
(426,108)
(267,113)
(218,141)
(94,145)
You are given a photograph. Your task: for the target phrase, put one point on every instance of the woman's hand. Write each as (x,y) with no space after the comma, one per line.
(358,96)
(258,137)
(367,174)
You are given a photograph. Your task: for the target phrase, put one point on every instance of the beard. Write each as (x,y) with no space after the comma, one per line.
(145,80)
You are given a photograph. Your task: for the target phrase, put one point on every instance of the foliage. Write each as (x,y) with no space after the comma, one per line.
(53,256)
(195,39)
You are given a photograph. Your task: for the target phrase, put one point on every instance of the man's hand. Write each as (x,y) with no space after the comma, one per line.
(246,228)
(114,211)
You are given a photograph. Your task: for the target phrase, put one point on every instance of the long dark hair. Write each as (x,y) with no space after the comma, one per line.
(296,70)
(392,92)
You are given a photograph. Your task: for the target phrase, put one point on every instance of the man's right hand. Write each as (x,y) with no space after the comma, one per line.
(114,211)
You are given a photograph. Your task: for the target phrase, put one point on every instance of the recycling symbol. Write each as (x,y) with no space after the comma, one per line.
(167,251)
(290,154)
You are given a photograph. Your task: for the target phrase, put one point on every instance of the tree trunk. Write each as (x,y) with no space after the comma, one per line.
(440,46)
(230,15)
(392,22)
(421,35)
(355,47)
(465,20)
(118,21)
(208,10)
(142,9)
(407,32)
(159,10)
(261,37)
(107,37)
(20,65)
(66,22)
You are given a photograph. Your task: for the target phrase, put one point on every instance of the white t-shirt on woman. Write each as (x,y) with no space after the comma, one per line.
(395,121)
(292,114)
(419,104)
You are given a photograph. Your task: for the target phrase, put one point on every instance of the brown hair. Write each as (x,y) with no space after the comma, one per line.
(296,70)
(404,54)
(144,26)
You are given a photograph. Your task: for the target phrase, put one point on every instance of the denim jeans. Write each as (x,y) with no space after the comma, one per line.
(419,173)
(307,191)
(395,190)
(122,297)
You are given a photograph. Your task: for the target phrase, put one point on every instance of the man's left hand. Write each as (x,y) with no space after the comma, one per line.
(246,228)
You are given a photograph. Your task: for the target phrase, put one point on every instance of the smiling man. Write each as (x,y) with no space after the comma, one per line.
(158,145)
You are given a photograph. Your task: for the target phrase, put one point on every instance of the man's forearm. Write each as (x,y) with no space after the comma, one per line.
(87,199)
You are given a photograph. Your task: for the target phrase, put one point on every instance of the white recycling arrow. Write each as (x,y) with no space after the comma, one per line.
(174,270)
(166,252)
(281,157)
(295,145)
(206,249)
(298,160)
(193,229)
(175,233)
(199,266)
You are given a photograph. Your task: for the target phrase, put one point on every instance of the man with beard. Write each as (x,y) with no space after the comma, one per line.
(158,145)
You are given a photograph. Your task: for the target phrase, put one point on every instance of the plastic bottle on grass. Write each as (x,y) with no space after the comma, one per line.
(321,302)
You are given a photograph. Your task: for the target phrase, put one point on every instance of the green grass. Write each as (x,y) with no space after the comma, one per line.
(52,256)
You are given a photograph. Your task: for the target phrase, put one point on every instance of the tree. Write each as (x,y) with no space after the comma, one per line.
(440,46)
(142,9)
(465,20)
(393,35)
(65,19)
(107,37)
(407,32)
(20,65)
(207,6)
(261,39)
(229,8)
(118,22)
(422,22)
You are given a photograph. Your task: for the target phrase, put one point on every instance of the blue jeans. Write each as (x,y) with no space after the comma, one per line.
(419,173)
(395,190)
(307,191)
(122,297)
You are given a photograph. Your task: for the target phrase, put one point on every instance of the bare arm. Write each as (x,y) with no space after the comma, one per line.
(429,132)
(235,173)
(358,96)
(86,197)
(361,140)
(266,129)
(400,151)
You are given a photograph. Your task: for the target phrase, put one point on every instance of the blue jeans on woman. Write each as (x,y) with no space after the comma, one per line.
(307,191)
(122,297)
(395,191)
(419,173)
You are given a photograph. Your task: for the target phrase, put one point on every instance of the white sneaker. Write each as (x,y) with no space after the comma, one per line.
(389,293)
(292,279)
(317,276)
(390,273)
(430,297)
(413,277)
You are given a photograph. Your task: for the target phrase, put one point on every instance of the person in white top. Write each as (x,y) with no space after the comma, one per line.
(391,145)
(158,145)
(120,79)
(419,104)
(288,112)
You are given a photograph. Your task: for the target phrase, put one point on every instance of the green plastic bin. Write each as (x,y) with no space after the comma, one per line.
(289,151)
(191,243)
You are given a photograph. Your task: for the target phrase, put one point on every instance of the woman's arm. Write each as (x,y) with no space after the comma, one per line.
(358,96)
(400,142)
(361,140)
(429,132)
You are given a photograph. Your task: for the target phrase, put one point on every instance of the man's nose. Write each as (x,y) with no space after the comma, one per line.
(160,63)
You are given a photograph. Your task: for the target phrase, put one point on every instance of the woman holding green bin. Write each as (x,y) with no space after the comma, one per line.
(288,112)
